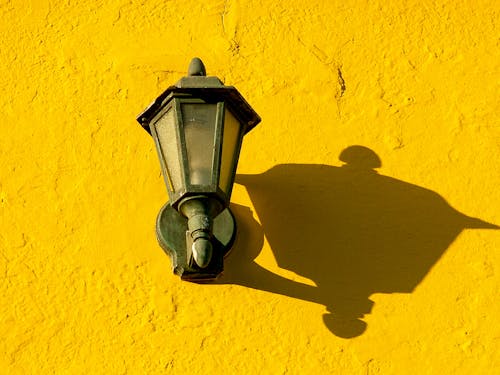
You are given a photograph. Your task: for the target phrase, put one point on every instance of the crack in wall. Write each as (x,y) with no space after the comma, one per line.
(341,82)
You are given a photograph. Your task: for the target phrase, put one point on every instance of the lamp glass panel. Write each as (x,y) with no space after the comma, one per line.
(230,140)
(199,131)
(169,149)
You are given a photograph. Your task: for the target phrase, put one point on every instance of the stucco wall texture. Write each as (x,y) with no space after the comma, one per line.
(367,200)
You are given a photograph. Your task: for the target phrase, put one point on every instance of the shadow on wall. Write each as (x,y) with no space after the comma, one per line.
(351,230)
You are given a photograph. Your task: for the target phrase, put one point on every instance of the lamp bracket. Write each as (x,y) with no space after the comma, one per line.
(173,236)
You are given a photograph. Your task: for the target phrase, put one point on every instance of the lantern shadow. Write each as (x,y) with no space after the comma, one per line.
(350,230)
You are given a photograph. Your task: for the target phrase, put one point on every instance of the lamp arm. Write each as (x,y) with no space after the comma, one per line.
(200,226)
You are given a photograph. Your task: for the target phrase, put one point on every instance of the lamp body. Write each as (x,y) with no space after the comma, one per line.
(198,126)
(198,144)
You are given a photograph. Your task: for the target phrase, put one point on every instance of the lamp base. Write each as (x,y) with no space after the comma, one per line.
(173,236)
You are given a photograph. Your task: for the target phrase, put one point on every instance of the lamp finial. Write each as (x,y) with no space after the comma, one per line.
(196,68)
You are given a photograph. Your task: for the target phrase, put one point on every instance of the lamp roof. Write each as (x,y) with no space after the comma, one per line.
(209,89)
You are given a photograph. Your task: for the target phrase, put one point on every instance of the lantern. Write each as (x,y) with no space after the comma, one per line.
(198,127)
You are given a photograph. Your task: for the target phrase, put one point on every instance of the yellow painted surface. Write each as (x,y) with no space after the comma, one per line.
(341,266)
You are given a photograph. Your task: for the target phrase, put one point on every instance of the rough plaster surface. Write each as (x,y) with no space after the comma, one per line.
(354,269)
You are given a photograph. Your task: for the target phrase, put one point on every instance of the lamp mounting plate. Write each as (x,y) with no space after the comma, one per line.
(172,234)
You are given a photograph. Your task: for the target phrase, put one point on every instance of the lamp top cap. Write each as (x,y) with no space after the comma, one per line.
(196,68)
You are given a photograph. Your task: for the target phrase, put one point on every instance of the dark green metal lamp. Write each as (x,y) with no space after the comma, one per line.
(198,127)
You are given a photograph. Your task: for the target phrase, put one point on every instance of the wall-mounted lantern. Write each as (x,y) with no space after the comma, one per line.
(198,126)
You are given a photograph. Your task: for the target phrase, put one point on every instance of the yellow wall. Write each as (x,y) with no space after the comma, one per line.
(337,269)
